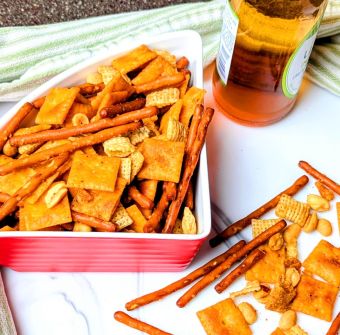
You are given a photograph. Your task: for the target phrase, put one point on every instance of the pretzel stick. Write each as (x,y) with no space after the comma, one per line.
(162,82)
(13,124)
(121,108)
(10,204)
(247,264)
(239,225)
(195,121)
(189,198)
(140,198)
(4,197)
(169,193)
(182,63)
(112,98)
(64,133)
(228,263)
(90,89)
(93,222)
(189,168)
(335,326)
(37,103)
(185,281)
(137,324)
(149,189)
(319,176)
(78,143)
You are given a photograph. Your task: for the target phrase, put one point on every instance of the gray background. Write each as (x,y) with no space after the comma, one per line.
(33,12)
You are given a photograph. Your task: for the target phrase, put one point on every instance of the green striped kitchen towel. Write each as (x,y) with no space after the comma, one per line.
(31,55)
(6,322)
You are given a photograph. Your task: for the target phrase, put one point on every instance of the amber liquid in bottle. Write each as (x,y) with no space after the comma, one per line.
(268,34)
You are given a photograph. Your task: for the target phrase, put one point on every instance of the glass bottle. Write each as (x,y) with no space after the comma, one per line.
(257,77)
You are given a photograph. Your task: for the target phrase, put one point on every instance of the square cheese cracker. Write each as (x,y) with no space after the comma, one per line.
(324,261)
(270,268)
(93,172)
(315,298)
(162,160)
(223,318)
(103,204)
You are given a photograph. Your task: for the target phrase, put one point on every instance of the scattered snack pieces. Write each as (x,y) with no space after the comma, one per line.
(318,203)
(315,298)
(324,261)
(239,225)
(325,192)
(259,226)
(223,318)
(137,324)
(185,281)
(292,210)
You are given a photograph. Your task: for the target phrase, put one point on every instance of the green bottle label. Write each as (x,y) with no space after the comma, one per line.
(297,64)
(227,42)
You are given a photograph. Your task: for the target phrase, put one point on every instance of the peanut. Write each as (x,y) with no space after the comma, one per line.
(248,312)
(80,119)
(318,203)
(55,194)
(311,223)
(276,242)
(293,276)
(287,320)
(290,236)
(9,150)
(81,227)
(324,227)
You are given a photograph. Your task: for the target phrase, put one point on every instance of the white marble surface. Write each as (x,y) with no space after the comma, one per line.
(247,167)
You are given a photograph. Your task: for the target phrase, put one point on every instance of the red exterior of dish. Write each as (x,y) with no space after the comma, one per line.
(81,254)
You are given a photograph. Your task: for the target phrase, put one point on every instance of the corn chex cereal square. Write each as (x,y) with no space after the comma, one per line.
(121,217)
(93,172)
(269,268)
(223,318)
(259,226)
(315,298)
(162,98)
(162,160)
(292,210)
(56,106)
(324,261)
